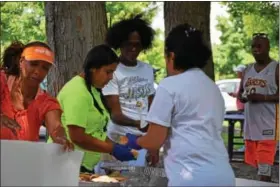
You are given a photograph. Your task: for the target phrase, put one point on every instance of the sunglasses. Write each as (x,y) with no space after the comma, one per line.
(262,35)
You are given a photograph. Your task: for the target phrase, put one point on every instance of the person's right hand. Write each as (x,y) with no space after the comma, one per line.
(242,99)
(122,153)
(153,157)
(9,123)
(232,94)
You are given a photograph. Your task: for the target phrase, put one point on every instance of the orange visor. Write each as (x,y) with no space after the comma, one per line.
(38,53)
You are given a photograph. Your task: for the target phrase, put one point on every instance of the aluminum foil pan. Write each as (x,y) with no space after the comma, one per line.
(125,168)
(82,183)
(138,176)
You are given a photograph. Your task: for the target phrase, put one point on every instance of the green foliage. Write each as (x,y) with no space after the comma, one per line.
(245,18)
(25,21)
(117,11)
(155,56)
(258,17)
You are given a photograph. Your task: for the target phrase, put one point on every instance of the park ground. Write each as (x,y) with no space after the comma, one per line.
(241,169)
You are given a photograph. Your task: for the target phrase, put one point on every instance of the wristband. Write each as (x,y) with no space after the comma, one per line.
(55,132)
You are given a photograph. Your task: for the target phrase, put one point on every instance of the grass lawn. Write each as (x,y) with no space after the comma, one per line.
(225,135)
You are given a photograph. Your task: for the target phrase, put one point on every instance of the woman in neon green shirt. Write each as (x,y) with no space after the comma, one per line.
(84,115)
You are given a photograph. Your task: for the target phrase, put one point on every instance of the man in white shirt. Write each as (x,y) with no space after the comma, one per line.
(131,90)
(187,116)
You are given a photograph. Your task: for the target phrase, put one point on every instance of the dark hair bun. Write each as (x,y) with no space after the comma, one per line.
(188,45)
(11,57)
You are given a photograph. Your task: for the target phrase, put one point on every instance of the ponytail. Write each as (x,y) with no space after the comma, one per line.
(11,58)
(97,57)
(103,99)
(88,85)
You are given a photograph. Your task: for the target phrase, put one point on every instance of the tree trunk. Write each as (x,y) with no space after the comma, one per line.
(72,28)
(196,14)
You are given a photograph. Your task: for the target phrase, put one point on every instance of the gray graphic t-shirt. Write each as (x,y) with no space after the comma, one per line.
(133,85)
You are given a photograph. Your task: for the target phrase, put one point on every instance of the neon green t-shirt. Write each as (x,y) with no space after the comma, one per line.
(78,109)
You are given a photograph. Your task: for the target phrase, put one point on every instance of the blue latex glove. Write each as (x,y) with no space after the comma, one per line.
(122,153)
(132,141)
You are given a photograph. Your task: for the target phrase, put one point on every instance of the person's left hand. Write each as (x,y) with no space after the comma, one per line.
(67,145)
(123,153)
(59,137)
(255,97)
(132,141)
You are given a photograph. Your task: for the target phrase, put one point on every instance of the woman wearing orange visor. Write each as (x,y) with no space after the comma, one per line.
(24,106)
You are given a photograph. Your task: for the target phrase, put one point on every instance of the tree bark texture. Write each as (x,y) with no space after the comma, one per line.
(195,13)
(72,28)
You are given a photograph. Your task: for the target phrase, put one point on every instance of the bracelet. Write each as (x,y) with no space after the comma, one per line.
(55,132)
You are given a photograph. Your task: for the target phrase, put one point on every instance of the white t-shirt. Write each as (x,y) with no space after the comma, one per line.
(191,106)
(133,85)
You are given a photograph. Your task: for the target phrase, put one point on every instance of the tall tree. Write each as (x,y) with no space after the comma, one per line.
(196,14)
(72,29)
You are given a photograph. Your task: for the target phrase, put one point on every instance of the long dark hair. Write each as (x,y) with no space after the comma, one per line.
(12,54)
(97,57)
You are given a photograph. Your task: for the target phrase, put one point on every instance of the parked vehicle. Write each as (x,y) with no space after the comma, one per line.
(227,86)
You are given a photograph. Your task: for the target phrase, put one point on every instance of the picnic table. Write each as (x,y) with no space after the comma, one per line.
(232,119)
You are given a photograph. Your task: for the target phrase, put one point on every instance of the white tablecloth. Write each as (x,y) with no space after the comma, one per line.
(239,182)
(246,182)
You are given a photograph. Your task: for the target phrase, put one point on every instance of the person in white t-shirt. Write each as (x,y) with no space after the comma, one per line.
(131,90)
(186,116)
